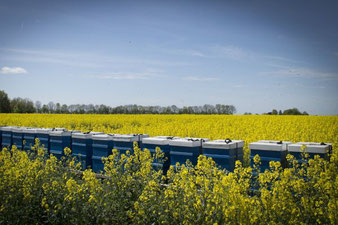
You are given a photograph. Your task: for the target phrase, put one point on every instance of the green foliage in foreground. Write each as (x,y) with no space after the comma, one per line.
(38,189)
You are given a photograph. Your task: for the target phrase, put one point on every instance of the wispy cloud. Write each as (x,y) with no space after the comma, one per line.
(308,86)
(217,51)
(121,76)
(148,74)
(196,53)
(240,86)
(214,51)
(81,59)
(294,86)
(247,55)
(335,53)
(282,59)
(185,52)
(49,56)
(232,52)
(195,78)
(303,73)
(12,70)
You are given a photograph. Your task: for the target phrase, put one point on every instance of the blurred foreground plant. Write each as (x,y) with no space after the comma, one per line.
(36,188)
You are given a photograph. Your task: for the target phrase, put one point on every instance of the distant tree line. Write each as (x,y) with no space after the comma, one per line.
(293,111)
(20,105)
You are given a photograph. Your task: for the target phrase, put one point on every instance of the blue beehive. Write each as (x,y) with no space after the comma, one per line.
(269,151)
(43,135)
(312,148)
(6,136)
(29,136)
(59,139)
(162,142)
(125,142)
(17,136)
(184,149)
(82,147)
(224,152)
(102,148)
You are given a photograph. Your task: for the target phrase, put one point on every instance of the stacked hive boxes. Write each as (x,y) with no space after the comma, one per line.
(162,142)
(269,151)
(312,148)
(59,139)
(125,142)
(183,149)
(43,135)
(29,136)
(224,152)
(17,136)
(102,147)
(82,147)
(7,136)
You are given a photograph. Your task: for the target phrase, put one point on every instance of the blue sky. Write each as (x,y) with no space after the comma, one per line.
(256,55)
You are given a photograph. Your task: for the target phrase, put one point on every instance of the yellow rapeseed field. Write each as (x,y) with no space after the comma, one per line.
(248,128)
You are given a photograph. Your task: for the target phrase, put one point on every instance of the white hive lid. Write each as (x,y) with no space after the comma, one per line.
(31,130)
(166,137)
(43,130)
(270,145)
(188,142)
(105,137)
(274,142)
(20,129)
(60,132)
(59,129)
(96,133)
(74,131)
(143,136)
(126,137)
(7,128)
(223,144)
(158,140)
(311,147)
(84,135)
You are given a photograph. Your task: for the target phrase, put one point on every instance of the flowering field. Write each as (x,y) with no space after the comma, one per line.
(248,128)
(36,188)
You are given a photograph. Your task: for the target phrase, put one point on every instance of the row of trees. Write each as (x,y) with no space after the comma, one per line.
(20,105)
(293,111)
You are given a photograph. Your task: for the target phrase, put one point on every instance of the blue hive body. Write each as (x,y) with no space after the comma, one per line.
(102,148)
(29,136)
(184,149)
(59,140)
(224,152)
(312,148)
(269,151)
(162,142)
(17,136)
(82,147)
(240,153)
(43,135)
(125,142)
(6,136)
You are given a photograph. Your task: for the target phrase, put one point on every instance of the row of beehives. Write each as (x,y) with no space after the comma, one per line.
(91,147)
